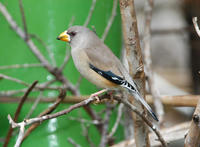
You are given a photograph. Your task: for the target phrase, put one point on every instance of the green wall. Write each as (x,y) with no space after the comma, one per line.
(47,19)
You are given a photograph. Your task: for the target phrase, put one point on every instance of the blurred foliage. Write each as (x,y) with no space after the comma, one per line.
(47,19)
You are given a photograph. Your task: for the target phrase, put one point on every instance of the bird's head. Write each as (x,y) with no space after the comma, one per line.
(76,35)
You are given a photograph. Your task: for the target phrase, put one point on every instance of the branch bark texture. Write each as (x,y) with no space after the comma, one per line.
(134,58)
(193,137)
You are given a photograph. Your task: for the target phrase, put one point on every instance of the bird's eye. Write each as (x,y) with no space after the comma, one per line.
(72,34)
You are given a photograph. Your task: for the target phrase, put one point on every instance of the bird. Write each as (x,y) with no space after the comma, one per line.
(97,63)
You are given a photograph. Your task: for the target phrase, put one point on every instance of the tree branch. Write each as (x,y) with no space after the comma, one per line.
(148,62)
(90,13)
(23,99)
(134,59)
(110,21)
(194,20)
(193,137)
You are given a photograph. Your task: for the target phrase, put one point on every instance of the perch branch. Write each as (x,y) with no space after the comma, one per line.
(84,103)
(173,101)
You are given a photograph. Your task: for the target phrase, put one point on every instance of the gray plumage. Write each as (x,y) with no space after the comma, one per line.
(87,49)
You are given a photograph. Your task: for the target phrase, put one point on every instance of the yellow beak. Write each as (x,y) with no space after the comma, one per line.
(64,37)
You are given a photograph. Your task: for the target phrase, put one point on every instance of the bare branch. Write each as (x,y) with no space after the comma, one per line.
(13,24)
(110,21)
(134,60)
(40,87)
(49,51)
(86,134)
(67,57)
(23,20)
(60,113)
(13,79)
(86,102)
(119,115)
(193,137)
(104,134)
(90,13)
(34,105)
(140,114)
(21,130)
(47,111)
(171,134)
(81,120)
(54,71)
(23,99)
(73,142)
(194,20)
(148,62)
(20,66)
(71,21)
(173,101)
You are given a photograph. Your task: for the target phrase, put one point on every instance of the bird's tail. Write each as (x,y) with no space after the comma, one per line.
(133,90)
(144,103)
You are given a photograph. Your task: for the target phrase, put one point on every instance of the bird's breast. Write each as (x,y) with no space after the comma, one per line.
(81,61)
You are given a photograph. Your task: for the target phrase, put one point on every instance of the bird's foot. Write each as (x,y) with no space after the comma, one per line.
(96,95)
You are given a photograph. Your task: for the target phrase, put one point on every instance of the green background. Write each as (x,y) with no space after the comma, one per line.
(47,19)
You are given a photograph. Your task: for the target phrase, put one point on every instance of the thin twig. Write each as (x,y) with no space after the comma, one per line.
(81,120)
(153,127)
(67,57)
(119,115)
(13,79)
(57,114)
(20,66)
(110,21)
(34,105)
(49,51)
(23,99)
(149,123)
(90,13)
(73,142)
(104,134)
(79,81)
(47,111)
(196,26)
(71,21)
(23,20)
(12,92)
(171,135)
(85,130)
(54,71)
(40,87)
(148,62)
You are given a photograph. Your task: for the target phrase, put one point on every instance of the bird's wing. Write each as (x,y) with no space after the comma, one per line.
(102,58)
